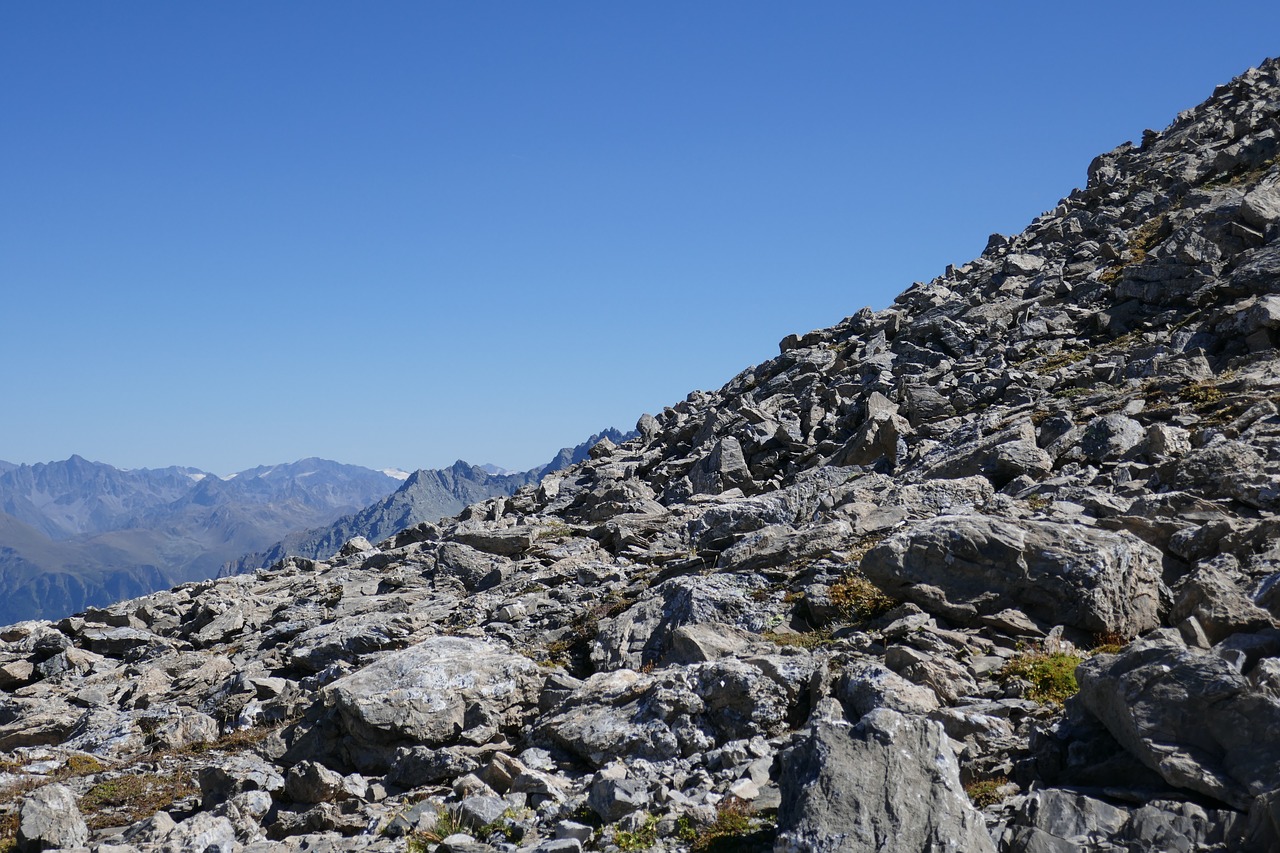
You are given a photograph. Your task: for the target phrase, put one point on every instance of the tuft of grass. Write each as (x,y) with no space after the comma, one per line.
(1202,394)
(986,792)
(1062,358)
(1039,503)
(9,832)
(735,829)
(83,765)
(1108,643)
(638,839)
(808,640)
(133,797)
(1071,392)
(859,599)
(555,531)
(1052,675)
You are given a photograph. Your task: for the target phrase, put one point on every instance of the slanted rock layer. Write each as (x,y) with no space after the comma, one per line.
(837,605)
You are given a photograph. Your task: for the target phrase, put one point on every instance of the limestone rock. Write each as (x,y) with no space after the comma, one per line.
(965,567)
(50,819)
(890,783)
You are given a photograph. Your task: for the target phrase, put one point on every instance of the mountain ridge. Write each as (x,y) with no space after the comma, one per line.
(426,495)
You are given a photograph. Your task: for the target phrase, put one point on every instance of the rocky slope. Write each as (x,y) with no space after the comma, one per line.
(836,605)
(426,495)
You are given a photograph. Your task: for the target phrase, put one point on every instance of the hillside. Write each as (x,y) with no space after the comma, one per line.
(993,568)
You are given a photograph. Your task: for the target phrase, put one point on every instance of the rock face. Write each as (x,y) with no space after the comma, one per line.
(842,603)
(891,783)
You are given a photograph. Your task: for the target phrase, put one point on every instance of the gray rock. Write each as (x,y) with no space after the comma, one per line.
(1192,717)
(613,799)
(49,819)
(429,693)
(865,686)
(1110,436)
(965,567)
(889,784)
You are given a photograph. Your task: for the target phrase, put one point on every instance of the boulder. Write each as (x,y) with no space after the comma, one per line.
(429,693)
(889,784)
(1190,716)
(967,567)
(49,819)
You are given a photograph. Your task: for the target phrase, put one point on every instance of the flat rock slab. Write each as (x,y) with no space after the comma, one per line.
(965,567)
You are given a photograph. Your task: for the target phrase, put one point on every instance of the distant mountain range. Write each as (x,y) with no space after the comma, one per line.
(77,534)
(427,495)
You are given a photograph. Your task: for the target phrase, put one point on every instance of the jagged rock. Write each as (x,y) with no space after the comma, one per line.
(1110,436)
(1217,604)
(1191,716)
(890,783)
(49,819)
(965,567)
(864,686)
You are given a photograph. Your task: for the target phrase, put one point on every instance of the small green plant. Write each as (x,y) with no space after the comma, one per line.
(804,640)
(859,599)
(555,531)
(133,797)
(1108,643)
(641,838)
(1071,392)
(986,792)
(421,840)
(1062,358)
(1202,394)
(735,829)
(1052,675)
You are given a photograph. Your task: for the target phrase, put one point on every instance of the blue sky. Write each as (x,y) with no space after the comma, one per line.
(402,233)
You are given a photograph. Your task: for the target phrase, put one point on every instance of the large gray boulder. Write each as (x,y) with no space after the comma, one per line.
(968,566)
(431,692)
(1190,716)
(49,820)
(889,784)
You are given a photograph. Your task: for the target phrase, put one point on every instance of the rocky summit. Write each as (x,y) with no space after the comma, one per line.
(994,569)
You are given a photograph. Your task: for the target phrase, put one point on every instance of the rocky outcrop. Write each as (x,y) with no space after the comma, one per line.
(842,603)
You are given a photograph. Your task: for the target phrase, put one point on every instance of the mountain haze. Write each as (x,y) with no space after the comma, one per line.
(77,533)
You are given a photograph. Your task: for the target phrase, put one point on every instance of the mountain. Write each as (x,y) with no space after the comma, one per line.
(427,495)
(77,533)
(992,569)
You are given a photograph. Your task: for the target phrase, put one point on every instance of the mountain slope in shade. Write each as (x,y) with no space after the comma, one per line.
(77,533)
(427,495)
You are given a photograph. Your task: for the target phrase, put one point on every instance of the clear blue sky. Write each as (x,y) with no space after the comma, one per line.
(400,233)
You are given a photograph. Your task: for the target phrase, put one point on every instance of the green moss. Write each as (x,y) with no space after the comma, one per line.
(986,792)
(1052,675)
(126,799)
